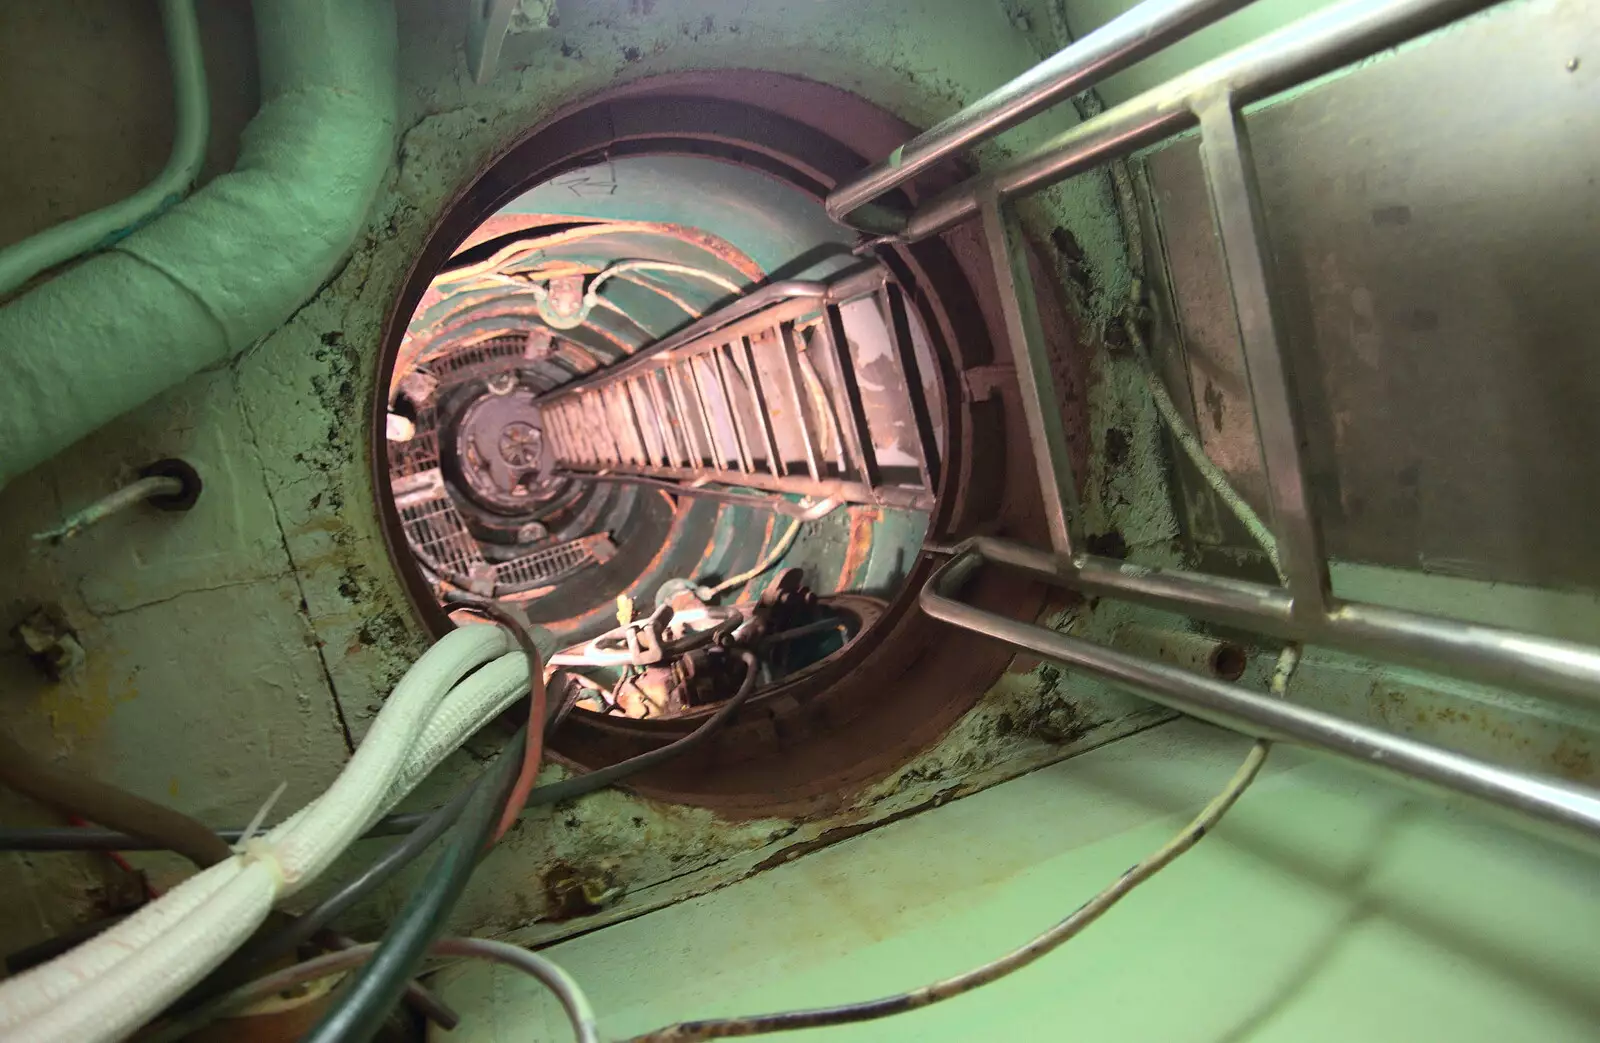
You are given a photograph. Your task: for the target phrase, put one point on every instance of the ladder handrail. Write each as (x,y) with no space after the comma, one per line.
(1212,98)
(1120,43)
(1547,802)
(1303,50)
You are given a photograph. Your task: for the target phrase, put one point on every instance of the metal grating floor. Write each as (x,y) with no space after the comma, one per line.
(439,538)
(551,563)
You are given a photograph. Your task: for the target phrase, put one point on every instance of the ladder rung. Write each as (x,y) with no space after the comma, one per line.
(649,424)
(797,396)
(635,434)
(664,420)
(857,431)
(726,389)
(557,437)
(763,410)
(904,356)
(697,364)
(691,442)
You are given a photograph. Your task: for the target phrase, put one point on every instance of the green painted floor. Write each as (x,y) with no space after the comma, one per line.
(1328,906)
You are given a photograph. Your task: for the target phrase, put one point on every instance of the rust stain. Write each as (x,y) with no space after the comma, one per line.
(326,523)
(80,708)
(862,522)
(834,835)
(574,891)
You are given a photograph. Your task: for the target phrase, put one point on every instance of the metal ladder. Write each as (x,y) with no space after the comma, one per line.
(765,394)
(1212,98)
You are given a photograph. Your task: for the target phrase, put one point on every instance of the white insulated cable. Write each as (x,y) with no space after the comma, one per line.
(54,983)
(308,843)
(591,297)
(133,991)
(470,705)
(95,992)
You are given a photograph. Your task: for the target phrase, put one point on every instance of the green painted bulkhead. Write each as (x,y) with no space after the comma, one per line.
(251,640)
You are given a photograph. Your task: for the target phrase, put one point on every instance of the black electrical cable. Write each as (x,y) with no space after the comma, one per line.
(87,839)
(600,778)
(360,1009)
(359,1012)
(384,979)
(567,992)
(433,825)
(375,875)
(309,925)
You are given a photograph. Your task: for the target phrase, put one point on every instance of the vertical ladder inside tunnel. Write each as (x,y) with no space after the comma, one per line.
(799,389)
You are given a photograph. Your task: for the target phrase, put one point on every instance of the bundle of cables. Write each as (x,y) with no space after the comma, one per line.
(108,986)
(359,1011)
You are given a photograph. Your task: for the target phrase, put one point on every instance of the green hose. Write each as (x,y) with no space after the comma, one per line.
(22,261)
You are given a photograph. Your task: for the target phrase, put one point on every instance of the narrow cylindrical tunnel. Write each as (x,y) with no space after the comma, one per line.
(642,386)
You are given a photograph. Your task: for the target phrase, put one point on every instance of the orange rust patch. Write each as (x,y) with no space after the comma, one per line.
(862,520)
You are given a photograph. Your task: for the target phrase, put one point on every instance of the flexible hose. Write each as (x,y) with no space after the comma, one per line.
(197,923)
(75,793)
(475,701)
(129,495)
(307,925)
(360,1012)
(480,698)
(312,839)
(154,956)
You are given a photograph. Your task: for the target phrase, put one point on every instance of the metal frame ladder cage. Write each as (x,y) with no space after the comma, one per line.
(1211,98)
(764,394)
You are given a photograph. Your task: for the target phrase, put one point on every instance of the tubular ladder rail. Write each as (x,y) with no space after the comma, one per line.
(1211,97)
(741,399)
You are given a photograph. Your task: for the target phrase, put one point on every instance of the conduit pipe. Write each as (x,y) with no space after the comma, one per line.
(105,988)
(228,265)
(20,262)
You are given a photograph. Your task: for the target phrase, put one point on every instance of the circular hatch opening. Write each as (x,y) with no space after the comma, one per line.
(573,425)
